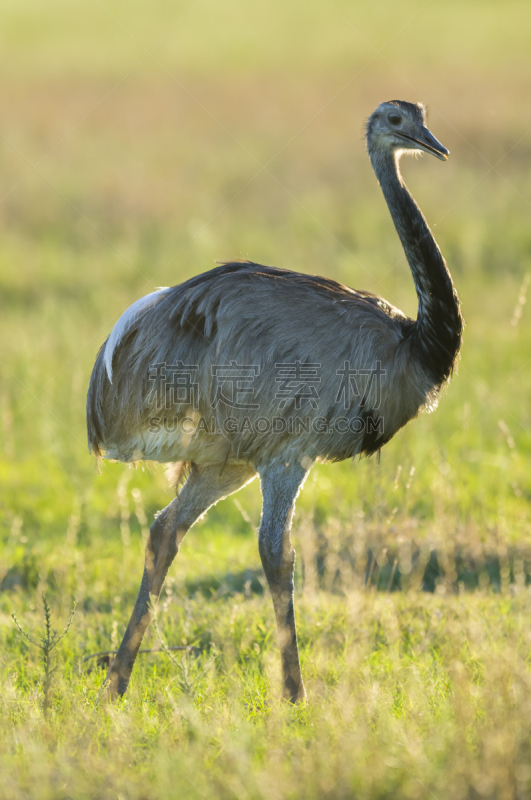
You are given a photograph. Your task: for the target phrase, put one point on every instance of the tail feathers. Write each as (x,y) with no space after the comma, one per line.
(126,321)
(95,421)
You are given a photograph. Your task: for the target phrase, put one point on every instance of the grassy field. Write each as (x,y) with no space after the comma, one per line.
(139,143)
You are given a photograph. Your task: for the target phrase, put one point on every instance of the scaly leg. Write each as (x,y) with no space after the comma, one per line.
(204,487)
(280,486)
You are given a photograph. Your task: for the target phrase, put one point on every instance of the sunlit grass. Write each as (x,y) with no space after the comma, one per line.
(409,694)
(242,136)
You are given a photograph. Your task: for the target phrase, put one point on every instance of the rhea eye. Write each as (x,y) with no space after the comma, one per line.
(394,119)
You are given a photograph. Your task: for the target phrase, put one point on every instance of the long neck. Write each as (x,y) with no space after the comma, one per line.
(436,336)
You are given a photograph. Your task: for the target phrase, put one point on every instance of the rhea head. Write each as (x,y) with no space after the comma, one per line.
(398,127)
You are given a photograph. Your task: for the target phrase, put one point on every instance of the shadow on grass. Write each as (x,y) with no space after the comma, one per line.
(380,570)
(424,570)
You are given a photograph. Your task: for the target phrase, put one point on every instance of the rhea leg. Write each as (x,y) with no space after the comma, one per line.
(280,487)
(204,487)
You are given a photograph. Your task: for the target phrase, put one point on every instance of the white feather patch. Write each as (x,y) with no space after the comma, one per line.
(126,321)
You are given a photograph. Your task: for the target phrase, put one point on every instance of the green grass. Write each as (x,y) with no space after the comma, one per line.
(410,695)
(241,136)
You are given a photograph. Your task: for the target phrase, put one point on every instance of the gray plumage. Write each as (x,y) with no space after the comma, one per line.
(271,328)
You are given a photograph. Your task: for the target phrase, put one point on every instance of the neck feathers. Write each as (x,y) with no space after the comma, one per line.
(436,336)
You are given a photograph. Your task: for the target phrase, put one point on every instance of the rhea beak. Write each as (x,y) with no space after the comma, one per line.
(427,142)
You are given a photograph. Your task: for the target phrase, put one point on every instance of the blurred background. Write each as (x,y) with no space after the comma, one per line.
(139,143)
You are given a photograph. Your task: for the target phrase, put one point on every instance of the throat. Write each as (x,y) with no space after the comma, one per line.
(436,335)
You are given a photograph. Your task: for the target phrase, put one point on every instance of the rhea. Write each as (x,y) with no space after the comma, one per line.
(250,370)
